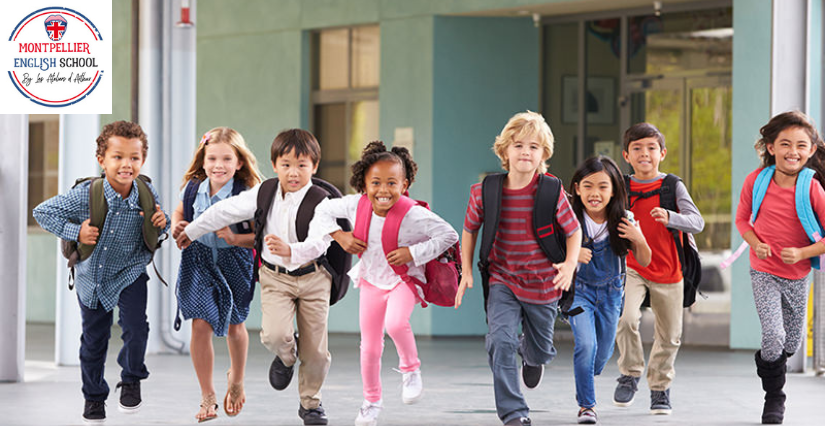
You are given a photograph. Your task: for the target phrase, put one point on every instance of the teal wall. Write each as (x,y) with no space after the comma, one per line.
(751,110)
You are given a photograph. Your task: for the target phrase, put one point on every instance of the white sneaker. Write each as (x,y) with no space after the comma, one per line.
(368,414)
(412,388)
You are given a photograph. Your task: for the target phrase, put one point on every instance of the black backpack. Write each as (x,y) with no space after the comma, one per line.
(546,228)
(336,261)
(688,259)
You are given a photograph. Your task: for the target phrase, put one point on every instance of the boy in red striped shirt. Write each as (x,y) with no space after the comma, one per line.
(524,285)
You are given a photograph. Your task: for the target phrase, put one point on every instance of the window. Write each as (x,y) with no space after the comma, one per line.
(344,115)
(44,133)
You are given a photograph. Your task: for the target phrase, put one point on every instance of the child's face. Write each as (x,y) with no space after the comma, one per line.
(792,149)
(294,172)
(595,191)
(645,155)
(122,161)
(385,182)
(220,162)
(525,154)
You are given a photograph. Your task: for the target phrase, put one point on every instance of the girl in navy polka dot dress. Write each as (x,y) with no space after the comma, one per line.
(214,281)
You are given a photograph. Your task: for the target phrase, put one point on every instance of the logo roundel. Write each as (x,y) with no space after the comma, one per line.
(61,68)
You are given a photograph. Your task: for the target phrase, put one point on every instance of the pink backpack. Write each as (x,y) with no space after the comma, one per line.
(442,273)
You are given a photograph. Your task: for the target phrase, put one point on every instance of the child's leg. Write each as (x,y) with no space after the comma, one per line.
(666,300)
(203,356)
(373,308)
(132,306)
(586,343)
(237,341)
(607,318)
(97,325)
(628,340)
(400,305)
(278,294)
(313,316)
(767,297)
(502,342)
(794,302)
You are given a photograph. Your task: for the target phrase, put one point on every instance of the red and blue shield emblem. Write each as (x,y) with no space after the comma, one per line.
(55,27)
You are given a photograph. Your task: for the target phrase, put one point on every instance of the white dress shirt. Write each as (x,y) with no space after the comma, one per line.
(422,231)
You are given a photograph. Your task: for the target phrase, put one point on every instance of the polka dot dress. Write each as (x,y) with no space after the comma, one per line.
(215,291)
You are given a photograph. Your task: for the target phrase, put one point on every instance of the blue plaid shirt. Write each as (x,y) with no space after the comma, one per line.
(120,256)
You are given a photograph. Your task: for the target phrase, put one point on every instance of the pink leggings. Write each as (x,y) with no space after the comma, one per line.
(393,308)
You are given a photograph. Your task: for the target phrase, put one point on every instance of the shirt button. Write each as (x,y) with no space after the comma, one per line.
(104,248)
(117,213)
(112,231)
(99,266)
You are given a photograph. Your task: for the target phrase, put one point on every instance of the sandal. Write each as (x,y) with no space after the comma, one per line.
(234,393)
(208,402)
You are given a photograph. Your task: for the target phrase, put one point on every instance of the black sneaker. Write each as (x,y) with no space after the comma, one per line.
(531,375)
(660,402)
(279,374)
(625,390)
(94,412)
(130,400)
(313,416)
(520,421)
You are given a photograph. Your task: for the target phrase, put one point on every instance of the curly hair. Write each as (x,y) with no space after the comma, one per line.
(248,173)
(524,125)
(375,152)
(124,129)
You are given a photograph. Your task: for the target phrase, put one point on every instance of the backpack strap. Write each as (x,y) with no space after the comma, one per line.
(389,240)
(760,187)
(306,211)
(667,192)
(491,190)
(544,219)
(805,212)
(98,207)
(266,193)
(189,195)
(152,237)
(363,216)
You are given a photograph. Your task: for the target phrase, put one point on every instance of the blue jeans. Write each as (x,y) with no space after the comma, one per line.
(504,314)
(94,342)
(594,331)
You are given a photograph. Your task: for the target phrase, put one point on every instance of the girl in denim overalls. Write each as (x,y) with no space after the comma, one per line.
(600,202)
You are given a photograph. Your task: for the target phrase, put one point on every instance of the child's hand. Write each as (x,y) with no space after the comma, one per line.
(178,228)
(182,240)
(630,232)
(660,215)
(399,256)
(466,282)
(791,255)
(277,246)
(349,243)
(585,254)
(565,276)
(226,234)
(763,251)
(88,233)
(158,218)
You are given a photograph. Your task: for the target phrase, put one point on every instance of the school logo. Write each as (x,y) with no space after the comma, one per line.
(55,27)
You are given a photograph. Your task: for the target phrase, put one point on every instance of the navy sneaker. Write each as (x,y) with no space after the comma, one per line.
(130,401)
(660,402)
(625,390)
(313,416)
(279,374)
(531,375)
(94,412)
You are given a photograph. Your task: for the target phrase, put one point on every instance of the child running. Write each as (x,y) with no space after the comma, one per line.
(386,301)
(609,231)
(781,256)
(216,270)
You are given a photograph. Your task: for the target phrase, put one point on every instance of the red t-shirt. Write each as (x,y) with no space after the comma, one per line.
(664,267)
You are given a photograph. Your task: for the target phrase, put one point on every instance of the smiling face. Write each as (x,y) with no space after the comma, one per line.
(595,191)
(524,155)
(792,149)
(220,162)
(294,172)
(385,183)
(122,162)
(645,155)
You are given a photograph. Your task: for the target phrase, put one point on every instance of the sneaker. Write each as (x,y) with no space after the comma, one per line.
(130,400)
(587,416)
(625,391)
(313,416)
(368,414)
(531,375)
(660,402)
(94,412)
(279,374)
(412,388)
(519,421)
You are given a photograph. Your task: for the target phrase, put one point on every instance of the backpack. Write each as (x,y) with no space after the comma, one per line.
(546,228)
(443,273)
(336,261)
(688,255)
(804,210)
(76,252)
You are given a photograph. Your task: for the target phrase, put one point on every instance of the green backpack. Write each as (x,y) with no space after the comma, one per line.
(75,251)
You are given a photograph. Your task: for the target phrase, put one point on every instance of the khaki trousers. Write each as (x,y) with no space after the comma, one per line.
(285,298)
(666,301)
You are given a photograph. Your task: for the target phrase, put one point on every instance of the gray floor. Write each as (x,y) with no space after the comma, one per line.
(713,387)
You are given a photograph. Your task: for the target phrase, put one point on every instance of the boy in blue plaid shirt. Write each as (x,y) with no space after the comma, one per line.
(115,273)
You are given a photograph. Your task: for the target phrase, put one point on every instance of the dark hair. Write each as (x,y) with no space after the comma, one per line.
(779,123)
(298,140)
(375,152)
(124,129)
(641,131)
(617,206)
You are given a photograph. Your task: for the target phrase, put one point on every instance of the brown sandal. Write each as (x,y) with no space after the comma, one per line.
(234,393)
(208,402)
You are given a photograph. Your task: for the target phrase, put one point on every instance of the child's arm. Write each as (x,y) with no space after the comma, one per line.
(468,246)
(238,240)
(64,215)
(791,255)
(571,227)
(222,214)
(323,224)
(689,219)
(630,231)
(178,223)
(424,222)
(743,218)
(159,218)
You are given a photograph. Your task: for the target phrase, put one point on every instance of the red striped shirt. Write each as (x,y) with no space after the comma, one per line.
(516,260)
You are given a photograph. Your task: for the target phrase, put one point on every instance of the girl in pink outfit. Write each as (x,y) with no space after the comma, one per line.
(386,302)
(780,256)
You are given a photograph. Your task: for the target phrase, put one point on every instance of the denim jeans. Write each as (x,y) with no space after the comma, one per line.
(504,315)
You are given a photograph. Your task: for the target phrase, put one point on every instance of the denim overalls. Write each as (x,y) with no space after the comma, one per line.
(599,292)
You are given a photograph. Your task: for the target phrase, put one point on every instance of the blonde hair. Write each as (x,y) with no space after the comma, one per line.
(520,126)
(248,173)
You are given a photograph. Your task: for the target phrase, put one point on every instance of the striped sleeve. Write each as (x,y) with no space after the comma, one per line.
(565,216)
(475,210)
